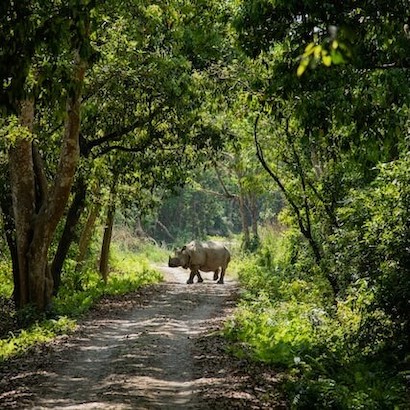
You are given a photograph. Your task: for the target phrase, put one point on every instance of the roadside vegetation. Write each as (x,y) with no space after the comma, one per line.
(80,291)
(341,354)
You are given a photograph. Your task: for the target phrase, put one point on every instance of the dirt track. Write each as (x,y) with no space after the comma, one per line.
(156,355)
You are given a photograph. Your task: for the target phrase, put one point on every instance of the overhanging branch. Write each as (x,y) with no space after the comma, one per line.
(261,158)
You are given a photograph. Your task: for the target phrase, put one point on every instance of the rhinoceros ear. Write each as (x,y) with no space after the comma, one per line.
(183,248)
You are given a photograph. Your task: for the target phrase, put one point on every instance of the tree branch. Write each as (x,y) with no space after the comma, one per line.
(261,158)
(87,146)
(308,229)
(110,148)
(224,188)
(113,136)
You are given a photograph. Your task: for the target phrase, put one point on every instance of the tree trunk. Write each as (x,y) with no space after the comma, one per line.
(244,220)
(69,232)
(254,214)
(36,214)
(23,197)
(165,229)
(86,234)
(9,228)
(105,249)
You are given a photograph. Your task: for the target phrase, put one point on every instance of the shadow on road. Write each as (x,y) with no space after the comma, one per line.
(141,359)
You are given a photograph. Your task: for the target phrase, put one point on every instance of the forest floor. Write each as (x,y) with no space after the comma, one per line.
(159,348)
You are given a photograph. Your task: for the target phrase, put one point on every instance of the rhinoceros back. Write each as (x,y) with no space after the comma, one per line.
(209,255)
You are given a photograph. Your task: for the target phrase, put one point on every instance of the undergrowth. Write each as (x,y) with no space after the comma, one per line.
(6,279)
(79,291)
(336,354)
(41,332)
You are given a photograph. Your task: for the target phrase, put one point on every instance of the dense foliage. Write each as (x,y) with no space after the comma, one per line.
(210,205)
(343,355)
(331,303)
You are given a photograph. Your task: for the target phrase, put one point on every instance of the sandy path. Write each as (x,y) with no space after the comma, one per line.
(141,359)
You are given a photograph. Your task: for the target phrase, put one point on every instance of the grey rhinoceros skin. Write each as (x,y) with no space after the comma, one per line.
(206,256)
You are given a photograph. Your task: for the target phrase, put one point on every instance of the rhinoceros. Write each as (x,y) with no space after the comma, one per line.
(205,256)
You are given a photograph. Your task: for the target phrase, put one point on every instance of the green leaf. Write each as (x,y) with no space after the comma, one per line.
(327,61)
(337,57)
(302,67)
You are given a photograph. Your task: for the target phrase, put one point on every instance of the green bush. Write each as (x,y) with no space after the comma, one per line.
(276,333)
(282,268)
(373,244)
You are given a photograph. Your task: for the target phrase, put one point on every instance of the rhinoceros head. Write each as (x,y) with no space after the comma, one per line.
(173,262)
(179,259)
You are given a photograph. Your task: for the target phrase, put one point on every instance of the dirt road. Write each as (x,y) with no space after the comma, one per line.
(156,355)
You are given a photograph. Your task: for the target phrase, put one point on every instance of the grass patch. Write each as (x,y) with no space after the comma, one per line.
(128,272)
(40,332)
(132,260)
(78,293)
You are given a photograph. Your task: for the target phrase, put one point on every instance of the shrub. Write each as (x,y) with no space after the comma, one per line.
(336,353)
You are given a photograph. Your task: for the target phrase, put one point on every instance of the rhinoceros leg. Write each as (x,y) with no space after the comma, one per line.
(216,274)
(191,277)
(194,272)
(221,278)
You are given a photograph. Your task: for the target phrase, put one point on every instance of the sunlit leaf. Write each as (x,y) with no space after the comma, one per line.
(327,60)
(302,67)
(317,51)
(309,49)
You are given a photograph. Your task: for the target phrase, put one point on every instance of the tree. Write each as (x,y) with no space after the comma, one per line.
(147,120)
(322,134)
(141,97)
(38,207)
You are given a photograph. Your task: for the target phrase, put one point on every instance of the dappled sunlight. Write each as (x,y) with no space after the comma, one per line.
(140,360)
